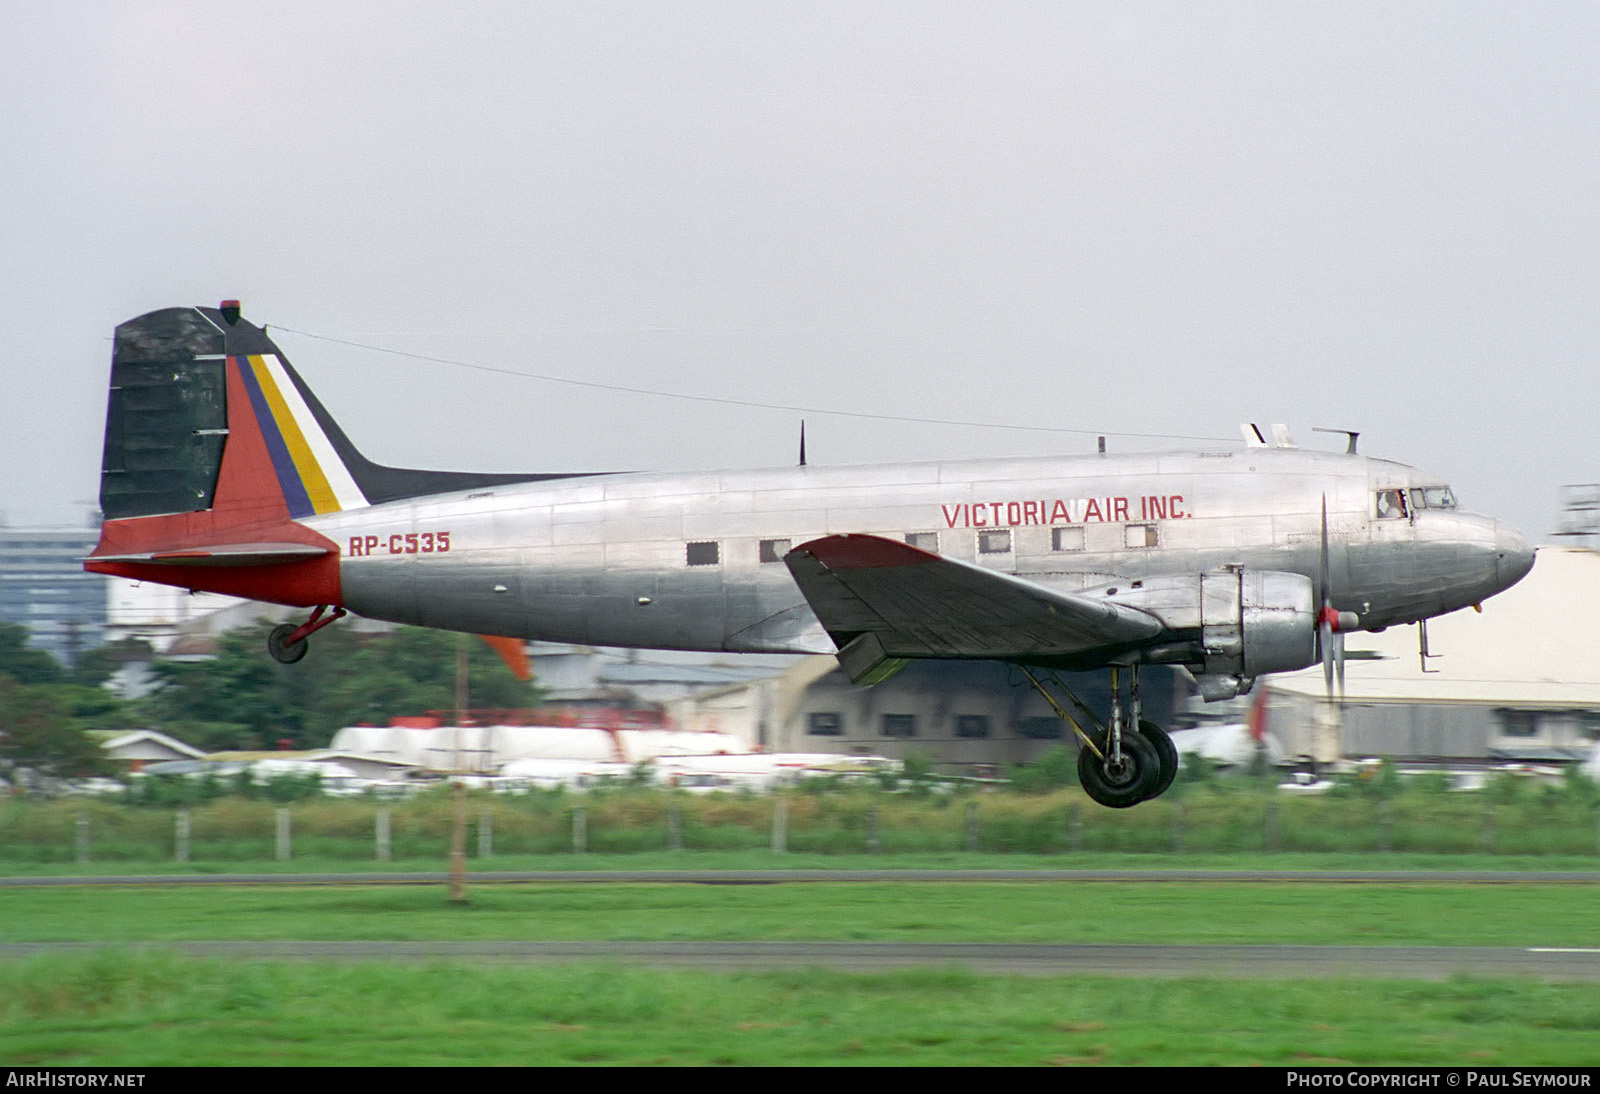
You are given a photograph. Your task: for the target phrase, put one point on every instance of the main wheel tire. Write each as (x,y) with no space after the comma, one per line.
(282,649)
(1119,785)
(1166,752)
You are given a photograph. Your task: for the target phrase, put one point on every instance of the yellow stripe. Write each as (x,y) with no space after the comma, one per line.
(311,476)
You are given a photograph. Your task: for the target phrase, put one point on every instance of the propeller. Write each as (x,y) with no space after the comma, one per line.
(1330,638)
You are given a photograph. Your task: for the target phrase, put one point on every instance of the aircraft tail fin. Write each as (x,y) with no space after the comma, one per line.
(193,388)
(205,413)
(216,451)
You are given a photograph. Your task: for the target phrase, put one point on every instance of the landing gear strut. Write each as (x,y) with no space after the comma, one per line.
(287,642)
(1119,765)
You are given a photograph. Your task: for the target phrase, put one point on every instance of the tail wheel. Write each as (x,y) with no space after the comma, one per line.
(1166,753)
(282,649)
(1118,784)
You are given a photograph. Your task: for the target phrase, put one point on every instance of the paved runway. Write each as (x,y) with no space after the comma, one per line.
(1031,959)
(1034,959)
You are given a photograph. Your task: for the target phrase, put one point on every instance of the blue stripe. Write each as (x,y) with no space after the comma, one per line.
(294,491)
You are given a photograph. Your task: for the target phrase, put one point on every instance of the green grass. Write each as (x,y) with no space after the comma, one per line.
(1103,912)
(767,860)
(148,1008)
(130,1009)
(140,1010)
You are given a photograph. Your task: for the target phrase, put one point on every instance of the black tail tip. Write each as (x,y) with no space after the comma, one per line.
(230,311)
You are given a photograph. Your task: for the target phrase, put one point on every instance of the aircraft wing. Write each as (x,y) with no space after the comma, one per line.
(884,601)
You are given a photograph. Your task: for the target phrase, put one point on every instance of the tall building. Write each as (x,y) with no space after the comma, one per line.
(43,587)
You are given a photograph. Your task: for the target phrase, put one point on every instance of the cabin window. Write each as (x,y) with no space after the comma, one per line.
(1432,497)
(899,725)
(997,542)
(928,541)
(773,550)
(1140,535)
(1066,539)
(1391,504)
(705,554)
(827,723)
(972,726)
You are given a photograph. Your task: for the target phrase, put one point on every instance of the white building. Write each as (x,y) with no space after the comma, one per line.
(1518,681)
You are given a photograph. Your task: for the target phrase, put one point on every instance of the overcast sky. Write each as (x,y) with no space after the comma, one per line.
(1131,218)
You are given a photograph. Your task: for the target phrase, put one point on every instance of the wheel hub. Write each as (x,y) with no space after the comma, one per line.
(1120,772)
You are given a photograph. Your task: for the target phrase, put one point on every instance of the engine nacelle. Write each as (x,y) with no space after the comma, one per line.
(1257,621)
(1231,622)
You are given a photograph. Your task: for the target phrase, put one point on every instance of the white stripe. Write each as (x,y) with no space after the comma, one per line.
(345,490)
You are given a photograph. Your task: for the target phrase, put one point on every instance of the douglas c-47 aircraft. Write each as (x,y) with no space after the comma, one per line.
(224,473)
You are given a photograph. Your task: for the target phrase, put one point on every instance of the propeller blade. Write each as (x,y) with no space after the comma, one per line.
(1322,573)
(1338,658)
(1330,642)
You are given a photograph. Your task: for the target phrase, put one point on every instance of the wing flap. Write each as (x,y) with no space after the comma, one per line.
(919,604)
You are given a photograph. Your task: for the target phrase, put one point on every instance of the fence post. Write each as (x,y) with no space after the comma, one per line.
(1177,827)
(180,836)
(971,825)
(1075,826)
(874,844)
(1385,825)
(80,837)
(281,850)
(1272,824)
(1488,826)
(780,825)
(382,835)
(580,830)
(485,834)
(675,827)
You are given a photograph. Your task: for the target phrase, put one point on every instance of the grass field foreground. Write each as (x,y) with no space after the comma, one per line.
(762,859)
(149,1009)
(1558,914)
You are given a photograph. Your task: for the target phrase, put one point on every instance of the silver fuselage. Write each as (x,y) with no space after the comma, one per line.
(605,559)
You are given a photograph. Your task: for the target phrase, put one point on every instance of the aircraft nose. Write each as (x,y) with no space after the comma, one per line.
(1513,555)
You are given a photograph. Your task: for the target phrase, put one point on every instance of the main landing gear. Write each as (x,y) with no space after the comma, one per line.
(287,642)
(1119,765)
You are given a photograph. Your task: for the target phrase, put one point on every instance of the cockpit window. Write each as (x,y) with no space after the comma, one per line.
(1432,497)
(1391,504)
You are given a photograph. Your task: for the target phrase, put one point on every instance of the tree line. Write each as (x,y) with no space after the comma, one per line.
(240,698)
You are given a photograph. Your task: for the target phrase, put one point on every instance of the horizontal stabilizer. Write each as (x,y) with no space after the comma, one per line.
(225,554)
(918,604)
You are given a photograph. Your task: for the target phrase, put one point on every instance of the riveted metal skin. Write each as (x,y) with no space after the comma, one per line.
(603,559)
